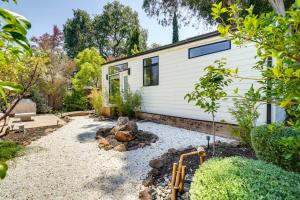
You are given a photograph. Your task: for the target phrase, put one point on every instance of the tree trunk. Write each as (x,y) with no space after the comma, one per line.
(214,134)
(278,6)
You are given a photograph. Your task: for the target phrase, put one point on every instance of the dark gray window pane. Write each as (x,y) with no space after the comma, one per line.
(151,71)
(147,76)
(118,68)
(154,75)
(114,87)
(150,61)
(208,49)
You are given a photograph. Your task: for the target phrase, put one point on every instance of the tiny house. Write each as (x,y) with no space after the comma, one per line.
(165,74)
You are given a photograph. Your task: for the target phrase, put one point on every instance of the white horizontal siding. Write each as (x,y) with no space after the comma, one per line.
(178,73)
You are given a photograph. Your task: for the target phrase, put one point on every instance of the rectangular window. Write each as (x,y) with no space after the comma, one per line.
(151,71)
(209,48)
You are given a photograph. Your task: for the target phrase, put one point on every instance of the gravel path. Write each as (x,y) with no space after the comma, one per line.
(67,164)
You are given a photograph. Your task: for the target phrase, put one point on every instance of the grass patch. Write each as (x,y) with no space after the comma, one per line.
(9,150)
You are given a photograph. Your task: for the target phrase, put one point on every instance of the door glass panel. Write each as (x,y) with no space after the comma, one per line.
(114,87)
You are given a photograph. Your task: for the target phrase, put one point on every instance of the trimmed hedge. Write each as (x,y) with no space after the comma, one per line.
(278,145)
(240,178)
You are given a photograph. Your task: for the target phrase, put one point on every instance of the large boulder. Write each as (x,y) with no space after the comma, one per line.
(125,130)
(124,136)
(122,121)
(24,106)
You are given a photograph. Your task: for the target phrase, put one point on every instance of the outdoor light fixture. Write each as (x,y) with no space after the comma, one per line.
(128,71)
(208,138)
(106,76)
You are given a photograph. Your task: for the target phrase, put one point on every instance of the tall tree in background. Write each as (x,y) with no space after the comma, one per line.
(175,37)
(202,8)
(134,42)
(59,67)
(78,33)
(113,30)
(167,12)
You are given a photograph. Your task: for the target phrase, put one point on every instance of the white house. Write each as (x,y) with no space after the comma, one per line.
(165,74)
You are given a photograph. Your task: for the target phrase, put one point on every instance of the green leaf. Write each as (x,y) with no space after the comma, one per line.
(11,86)
(3,169)
(276,71)
(3,95)
(297,73)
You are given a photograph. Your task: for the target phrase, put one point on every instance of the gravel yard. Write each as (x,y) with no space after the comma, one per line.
(68,164)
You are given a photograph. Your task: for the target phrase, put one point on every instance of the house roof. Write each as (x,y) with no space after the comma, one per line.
(179,43)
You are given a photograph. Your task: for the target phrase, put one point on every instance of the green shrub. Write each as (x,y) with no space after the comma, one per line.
(128,102)
(96,100)
(244,111)
(75,101)
(9,150)
(240,178)
(277,144)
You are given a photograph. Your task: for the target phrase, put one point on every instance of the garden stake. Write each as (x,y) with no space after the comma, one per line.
(181,184)
(174,174)
(178,173)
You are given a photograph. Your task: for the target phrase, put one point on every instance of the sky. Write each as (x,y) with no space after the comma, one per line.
(43,14)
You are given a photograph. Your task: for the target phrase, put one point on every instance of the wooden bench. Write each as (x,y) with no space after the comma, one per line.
(25,117)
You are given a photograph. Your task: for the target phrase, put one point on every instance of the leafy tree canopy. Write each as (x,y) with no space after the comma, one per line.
(113,30)
(202,8)
(168,12)
(89,64)
(78,33)
(59,67)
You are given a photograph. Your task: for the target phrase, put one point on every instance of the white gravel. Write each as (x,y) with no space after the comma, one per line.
(68,164)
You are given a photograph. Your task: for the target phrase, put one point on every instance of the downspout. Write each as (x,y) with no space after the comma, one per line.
(269,88)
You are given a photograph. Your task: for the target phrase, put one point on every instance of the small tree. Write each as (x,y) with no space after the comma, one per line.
(89,65)
(209,91)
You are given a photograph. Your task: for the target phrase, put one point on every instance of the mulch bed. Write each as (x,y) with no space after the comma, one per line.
(30,135)
(158,178)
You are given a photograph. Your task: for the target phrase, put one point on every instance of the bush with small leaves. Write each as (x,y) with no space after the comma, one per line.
(277,144)
(128,102)
(75,101)
(241,178)
(96,100)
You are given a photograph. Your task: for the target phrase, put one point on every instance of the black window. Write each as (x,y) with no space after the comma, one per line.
(151,71)
(209,48)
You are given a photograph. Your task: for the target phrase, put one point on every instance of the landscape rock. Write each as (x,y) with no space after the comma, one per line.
(122,121)
(124,136)
(104,144)
(120,147)
(132,126)
(141,145)
(156,163)
(145,195)
(103,132)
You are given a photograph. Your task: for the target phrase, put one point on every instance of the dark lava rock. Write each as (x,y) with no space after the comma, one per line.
(103,132)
